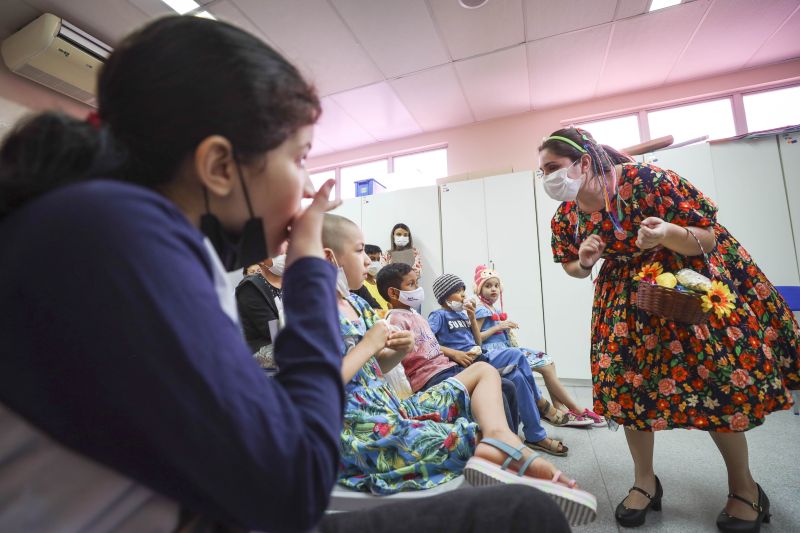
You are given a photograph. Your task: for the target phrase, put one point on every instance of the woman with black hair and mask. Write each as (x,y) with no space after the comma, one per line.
(650,373)
(128,399)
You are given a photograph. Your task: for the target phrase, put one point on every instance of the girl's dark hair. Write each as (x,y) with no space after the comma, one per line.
(603,156)
(397,226)
(164,89)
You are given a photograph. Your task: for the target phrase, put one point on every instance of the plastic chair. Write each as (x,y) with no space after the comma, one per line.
(791,294)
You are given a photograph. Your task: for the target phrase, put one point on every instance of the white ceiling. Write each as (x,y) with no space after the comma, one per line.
(392,68)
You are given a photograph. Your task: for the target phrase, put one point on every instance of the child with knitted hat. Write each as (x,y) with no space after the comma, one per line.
(458,333)
(497,332)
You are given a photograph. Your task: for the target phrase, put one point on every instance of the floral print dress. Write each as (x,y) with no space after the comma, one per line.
(650,373)
(390,445)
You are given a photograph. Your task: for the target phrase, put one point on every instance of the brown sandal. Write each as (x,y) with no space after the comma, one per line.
(556,447)
(560,417)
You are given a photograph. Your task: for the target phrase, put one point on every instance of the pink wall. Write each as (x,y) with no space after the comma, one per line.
(511,141)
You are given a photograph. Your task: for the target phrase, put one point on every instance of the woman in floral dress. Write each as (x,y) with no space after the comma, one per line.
(649,373)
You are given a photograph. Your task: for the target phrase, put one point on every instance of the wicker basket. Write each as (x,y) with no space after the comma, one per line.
(670,304)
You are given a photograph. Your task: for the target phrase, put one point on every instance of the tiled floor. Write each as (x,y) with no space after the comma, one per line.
(690,469)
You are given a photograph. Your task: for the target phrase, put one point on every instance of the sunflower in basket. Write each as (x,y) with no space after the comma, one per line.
(719,298)
(649,272)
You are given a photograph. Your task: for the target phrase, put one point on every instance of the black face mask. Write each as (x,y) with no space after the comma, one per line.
(236,250)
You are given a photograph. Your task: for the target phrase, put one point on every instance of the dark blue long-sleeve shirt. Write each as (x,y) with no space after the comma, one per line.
(114,344)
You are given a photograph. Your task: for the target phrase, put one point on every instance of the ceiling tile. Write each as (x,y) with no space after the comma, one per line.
(544,18)
(434,98)
(312,35)
(785,44)
(640,56)
(338,130)
(470,32)
(556,80)
(14,14)
(496,84)
(399,36)
(729,35)
(109,21)
(229,12)
(631,8)
(378,110)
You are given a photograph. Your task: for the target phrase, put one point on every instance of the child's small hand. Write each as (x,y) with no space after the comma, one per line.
(462,358)
(469,307)
(475,351)
(377,335)
(506,325)
(402,341)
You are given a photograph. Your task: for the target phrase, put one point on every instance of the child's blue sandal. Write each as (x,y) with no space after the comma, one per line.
(580,507)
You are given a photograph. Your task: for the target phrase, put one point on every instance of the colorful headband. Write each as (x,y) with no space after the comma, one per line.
(568,141)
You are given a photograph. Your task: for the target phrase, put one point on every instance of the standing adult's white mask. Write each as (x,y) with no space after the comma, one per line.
(559,186)
(401,241)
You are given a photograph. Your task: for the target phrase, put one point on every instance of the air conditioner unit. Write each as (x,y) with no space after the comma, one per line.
(53,52)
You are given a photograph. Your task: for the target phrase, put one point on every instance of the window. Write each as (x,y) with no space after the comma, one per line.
(348,176)
(714,118)
(655,5)
(417,170)
(317,179)
(619,133)
(772,109)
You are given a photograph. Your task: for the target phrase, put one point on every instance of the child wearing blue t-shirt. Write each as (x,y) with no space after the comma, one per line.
(456,330)
(496,332)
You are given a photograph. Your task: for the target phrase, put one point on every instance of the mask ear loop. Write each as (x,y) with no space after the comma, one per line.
(244,187)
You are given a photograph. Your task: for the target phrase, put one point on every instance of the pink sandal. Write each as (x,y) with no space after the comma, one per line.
(597,420)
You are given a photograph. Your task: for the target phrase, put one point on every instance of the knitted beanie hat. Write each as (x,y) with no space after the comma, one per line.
(482,275)
(445,285)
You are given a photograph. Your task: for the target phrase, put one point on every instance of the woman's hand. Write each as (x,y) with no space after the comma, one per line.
(590,251)
(652,233)
(305,239)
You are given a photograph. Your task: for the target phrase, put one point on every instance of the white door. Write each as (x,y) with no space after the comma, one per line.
(417,208)
(350,208)
(567,302)
(789,146)
(464,245)
(513,245)
(753,206)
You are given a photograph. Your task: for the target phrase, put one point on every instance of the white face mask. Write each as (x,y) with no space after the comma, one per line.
(373,268)
(278,265)
(561,187)
(401,241)
(341,283)
(412,298)
(455,306)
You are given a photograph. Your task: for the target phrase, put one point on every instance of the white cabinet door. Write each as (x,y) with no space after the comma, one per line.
(567,302)
(350,208)
(513,245)
(789,146)
(464,247)
(752,202)
(419,210)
